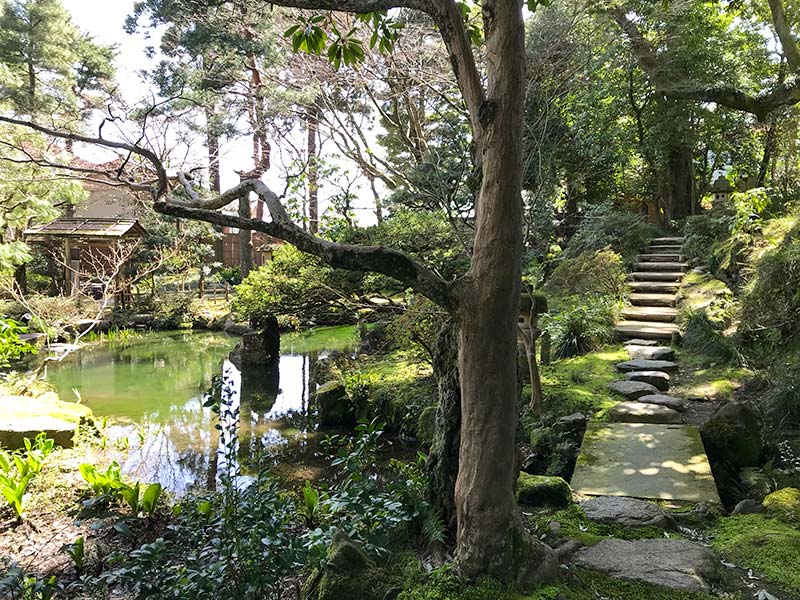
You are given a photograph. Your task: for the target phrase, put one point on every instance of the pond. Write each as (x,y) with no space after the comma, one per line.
(152,389)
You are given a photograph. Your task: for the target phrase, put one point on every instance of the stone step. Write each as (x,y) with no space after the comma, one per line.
(648,330)
(662,266)
(665,249)
(661,257)
(663,400)
(655,287)
(638,299)
(650,351)
(632,390)
(641,364)
(650,313)
(639,412)
(660,379)
(656,276)
(667,240)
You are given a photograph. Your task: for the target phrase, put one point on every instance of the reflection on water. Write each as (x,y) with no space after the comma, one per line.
(154,390)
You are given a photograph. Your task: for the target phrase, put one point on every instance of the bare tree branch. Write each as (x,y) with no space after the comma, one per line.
(785,35)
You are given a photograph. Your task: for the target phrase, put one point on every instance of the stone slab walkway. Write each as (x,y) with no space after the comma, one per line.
(641,460)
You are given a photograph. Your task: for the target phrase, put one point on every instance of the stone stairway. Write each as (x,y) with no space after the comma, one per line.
(654,286)
(644,449)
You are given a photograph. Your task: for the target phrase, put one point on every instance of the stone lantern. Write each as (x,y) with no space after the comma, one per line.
(721,189)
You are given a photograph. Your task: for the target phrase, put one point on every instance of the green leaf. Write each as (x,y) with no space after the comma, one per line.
(150,498)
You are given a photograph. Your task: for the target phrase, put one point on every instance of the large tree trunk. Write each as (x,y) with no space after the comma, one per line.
(245,239)
(682,192)
(491,537)
(214,181)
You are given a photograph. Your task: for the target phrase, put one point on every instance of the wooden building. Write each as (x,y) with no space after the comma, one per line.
(86,248)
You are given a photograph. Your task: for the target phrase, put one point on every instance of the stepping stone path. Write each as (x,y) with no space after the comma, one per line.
(646,451)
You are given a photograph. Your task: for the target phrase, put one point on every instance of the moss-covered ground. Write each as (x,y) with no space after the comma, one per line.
(580,384)
(771,548)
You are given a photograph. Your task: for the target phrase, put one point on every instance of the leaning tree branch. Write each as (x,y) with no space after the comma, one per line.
(760,105)
(379,259)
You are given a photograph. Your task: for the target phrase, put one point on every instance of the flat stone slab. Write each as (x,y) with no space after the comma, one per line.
(650,352)
(664,400)
(640,364)
(660,379)
(638,412)
(677,564)
(629,512)
(646,329)
(636,342)
(12,435)
(641,460)
(632,389)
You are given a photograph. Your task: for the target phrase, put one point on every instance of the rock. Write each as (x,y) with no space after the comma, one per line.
(629,512)
(656,378)
(541,490)
(12,435)
(345,556)
(632,389)
(651,352)
(784,504)
(235,328)
(640,364)
(663,400)
(748,506)
(637,342)
(733,435)
(637,412)
(333,405)
(349,573)
(144,319)
(570,424)
(262,347)
(426,425)
(671,563)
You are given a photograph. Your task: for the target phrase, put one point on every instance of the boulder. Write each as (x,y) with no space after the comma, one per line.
(349,573)
(663,400)
(641,364)
(12,435)
(677,564)
(231,326)
(733,435)
(541,490)
(784,504)
(748,506)
(628,512)
(25,416)
(570,424)
(333,405)
(632,389)
(637,412)
(651,352)
(656,378)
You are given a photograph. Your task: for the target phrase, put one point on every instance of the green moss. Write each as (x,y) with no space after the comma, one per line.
(784,504)
(426,425)
(18,408)
(759,542)
(580,384)
(574,524)
(401,386)
(441,584)
(709,381)
(540,490)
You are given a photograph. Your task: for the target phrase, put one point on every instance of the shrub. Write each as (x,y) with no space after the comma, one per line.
(771,302)
(701,336)
(598,272)
(298,287)
(580,328)
(12,348)
(607,226)
(703,231)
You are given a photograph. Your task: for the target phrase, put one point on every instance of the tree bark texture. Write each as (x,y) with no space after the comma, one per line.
(491,538)
(682,191)
(312,129)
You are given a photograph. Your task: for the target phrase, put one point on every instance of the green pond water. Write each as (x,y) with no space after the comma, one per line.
(153,389)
